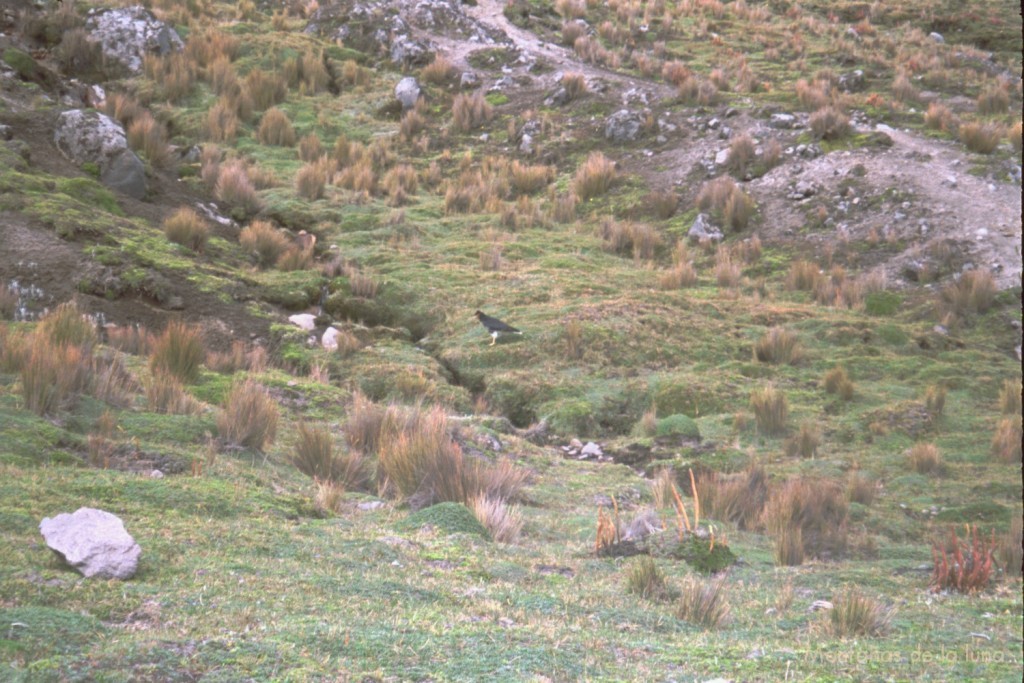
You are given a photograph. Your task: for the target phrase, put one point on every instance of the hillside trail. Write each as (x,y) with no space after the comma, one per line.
(948,201)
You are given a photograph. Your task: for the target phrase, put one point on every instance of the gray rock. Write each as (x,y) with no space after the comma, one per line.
(6,132)
(852,82)
(703,229)
(783,121)
(559,98)
(407,92)
(623,126)
(126,174)
(407,52)
(94,542)
(469,80)
(89,136)
(802,190)
(591,450)
(126,35)
(722,157)
(937,37)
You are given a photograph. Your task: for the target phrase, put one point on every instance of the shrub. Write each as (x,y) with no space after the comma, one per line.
(52,374)
(276,129)
(1006,443)
(149,137)
(594,177)
(925,458)
(703,603)
(645,579)
(860,488)
(235,189)
(778,346)
(439,72)
(993,100)
(249,416)
(830,124)
(575,84)
(981,137)
(187,228)
(903,90)
(805,443)
(470,111)
(836,381)
(1010,397)
(503,522)
(179,352)
(166,394)
(265,89)
(807,517)
(737,498)
(264,241)
(855,614)
(310,148)
(963,565)
(680,275)
(770,409)
(66,326)
(314,455)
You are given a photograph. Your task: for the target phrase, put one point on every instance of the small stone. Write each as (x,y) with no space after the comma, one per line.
(722,157)
(591,449)
(820,605)
(407,92)
(370,505)
(156,474)
(937,37)
(784,121)
(304,321)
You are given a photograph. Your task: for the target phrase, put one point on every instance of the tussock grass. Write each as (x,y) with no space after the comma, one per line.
(470,111)
(166,394)
(133,339)
(935,400)
(738,498)
(964,565)
(235,189)
(265,89)
(837,381)
(67,326)
(276,129)
(727,201)
(503,522)
(983,138)
(1011,547)
(741,155)
(925,458)
(860,488)
(179,351)
(8,302)
(594,177)
(973,292)
(575,84)
(645,579)
(807,518)
(939,117)
(993,100)
(249,416)
(1010,397)
(1006,442)
(187,228)
(829,123)
(803,276)
(703,603)
(440,71)
(727,271)
(149,137)
(804,443)
(771,410)
(312,178)
(855,614)
(264,241)
(314,454)
(53,374)
(778,346)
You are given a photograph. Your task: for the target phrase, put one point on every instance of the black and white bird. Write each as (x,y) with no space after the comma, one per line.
(495,327)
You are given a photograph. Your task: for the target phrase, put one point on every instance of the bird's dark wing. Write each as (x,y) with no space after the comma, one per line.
(495,325)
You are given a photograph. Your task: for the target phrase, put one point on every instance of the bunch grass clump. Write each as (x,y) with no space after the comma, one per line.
(264,241)
(67,326)
(778,346)
(179,351)
(982,138)
(1010,397)
(925,458)
(727,202)
(166,394)
(771,410)
(973,292)
(837,381)
(276,129)
(857,615)
(249,416)
(53,374)
(829,123)
(233,187)
(703,603)
(470,111)
(804,443)
(807,518)
(963,565)
(504,522)
(645,579)
(1006,442)
(738,498)
(594,177)
(187,228)
(315,455)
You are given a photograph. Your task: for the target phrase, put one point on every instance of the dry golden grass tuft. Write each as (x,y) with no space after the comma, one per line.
(829,123)
(1014,135)
(741,155)
(575,84)
(265,89)
(594,176)
(400,182)
(470,111)
(771,410)
(1011,547)
(206,46)
(856,615)
(727,271)
(148,136)
(234,188)
(837,381)
(276,129)
(307,73)
(249,416)
(804,443)
(179,352)
(174,74)
(983,138)
(166,394)
(133,339)
(724,198)
(860,488)
(314,455)
(530,178)
(503,522)
(1006,442)
(295,258)
(187,228)
(571,31)
(574,344)
(814,95)
(993,100)
(563,207)
(439,72)
(703,603)
(14,348)
(67,325)
(310,148)
(222,121)
(264,241)
(413,123)
(1010,397)
(973,292)
(678,276)
(737,498)
(675,72)
(312,178)
(696,91)
(354,75)
(903,90)
(223,78)
(807,518)
(122,107)
(925,458)
(939,117)
(935,400)
(778,345)
(803,276)
(53,373)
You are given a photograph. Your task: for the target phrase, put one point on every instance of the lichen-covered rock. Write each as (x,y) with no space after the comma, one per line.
(703,229)
(94,542)
(407,92)
(89,136)
(128,34)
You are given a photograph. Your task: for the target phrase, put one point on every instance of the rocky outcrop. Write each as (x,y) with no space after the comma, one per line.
(623,126)
(128,34)
(94,542)
(702,229)
(92,137)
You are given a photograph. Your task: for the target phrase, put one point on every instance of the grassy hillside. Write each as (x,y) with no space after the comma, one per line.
(831,393)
